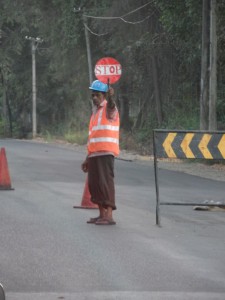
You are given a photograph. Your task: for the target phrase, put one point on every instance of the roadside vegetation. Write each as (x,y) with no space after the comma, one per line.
(158,44)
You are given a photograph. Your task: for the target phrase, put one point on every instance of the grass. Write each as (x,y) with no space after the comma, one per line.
(77,137)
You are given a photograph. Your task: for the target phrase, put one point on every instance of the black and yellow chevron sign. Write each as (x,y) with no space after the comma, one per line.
(189,144)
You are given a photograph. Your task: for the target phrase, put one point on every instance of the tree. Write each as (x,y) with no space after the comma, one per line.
(213,68)
(204,93)
(158,44)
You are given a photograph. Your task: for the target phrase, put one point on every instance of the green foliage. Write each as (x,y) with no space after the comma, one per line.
(221,113)
(48,136)
(180,119)
(1,128)
(169,31)
(187,27)
(78,137)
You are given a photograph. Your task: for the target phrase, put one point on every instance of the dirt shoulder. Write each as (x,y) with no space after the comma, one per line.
(214,172)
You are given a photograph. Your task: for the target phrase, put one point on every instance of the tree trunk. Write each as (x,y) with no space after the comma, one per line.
(9,118)
(4,106)
(139,121)
(156,91)
(124,112)
(204,92)
(213,68)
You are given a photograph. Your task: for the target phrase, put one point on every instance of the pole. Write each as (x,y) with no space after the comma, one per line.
(87,40)
(34,45)
(156,182)
(34,90)
(88,50)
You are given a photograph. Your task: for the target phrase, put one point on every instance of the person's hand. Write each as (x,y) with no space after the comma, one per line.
(84,166)
(111,91)
(111,102)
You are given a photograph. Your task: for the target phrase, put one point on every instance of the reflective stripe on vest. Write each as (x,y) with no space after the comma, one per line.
(104,139)
(105,127)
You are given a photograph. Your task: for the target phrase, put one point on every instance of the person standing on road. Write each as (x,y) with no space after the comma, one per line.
(102,146)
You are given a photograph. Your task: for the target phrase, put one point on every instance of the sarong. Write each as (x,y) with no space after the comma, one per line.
(101,180)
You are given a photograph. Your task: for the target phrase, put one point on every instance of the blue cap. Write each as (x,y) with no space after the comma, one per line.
(99,86)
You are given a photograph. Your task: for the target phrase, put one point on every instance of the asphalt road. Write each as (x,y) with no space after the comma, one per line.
(47,251)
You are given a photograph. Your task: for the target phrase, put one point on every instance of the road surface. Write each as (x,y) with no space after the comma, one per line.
(47,251)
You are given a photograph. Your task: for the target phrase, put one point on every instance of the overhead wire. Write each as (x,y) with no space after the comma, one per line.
(117,18)
(97,34)
(121,17)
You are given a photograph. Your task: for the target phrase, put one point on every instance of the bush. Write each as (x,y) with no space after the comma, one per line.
(1,128)
(78,137)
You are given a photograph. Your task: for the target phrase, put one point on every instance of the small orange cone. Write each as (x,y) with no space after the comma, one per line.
(86,198)
(2,292)
(5,182)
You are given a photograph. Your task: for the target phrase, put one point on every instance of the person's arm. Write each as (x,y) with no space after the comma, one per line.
(110,101)
(111,105)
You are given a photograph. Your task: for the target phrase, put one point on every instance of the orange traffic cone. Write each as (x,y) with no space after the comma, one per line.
(86,198)
(5,182)
(2,292)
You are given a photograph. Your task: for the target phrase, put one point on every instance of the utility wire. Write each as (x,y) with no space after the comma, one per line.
(97,34)
(122,17)
(102,34)
(116,18)
(137,9)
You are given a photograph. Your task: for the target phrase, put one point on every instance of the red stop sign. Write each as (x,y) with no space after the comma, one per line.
(108,68)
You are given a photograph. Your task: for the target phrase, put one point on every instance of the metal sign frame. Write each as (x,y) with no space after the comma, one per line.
(181,152)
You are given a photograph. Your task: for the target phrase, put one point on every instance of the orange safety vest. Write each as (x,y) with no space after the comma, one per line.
(103,133)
